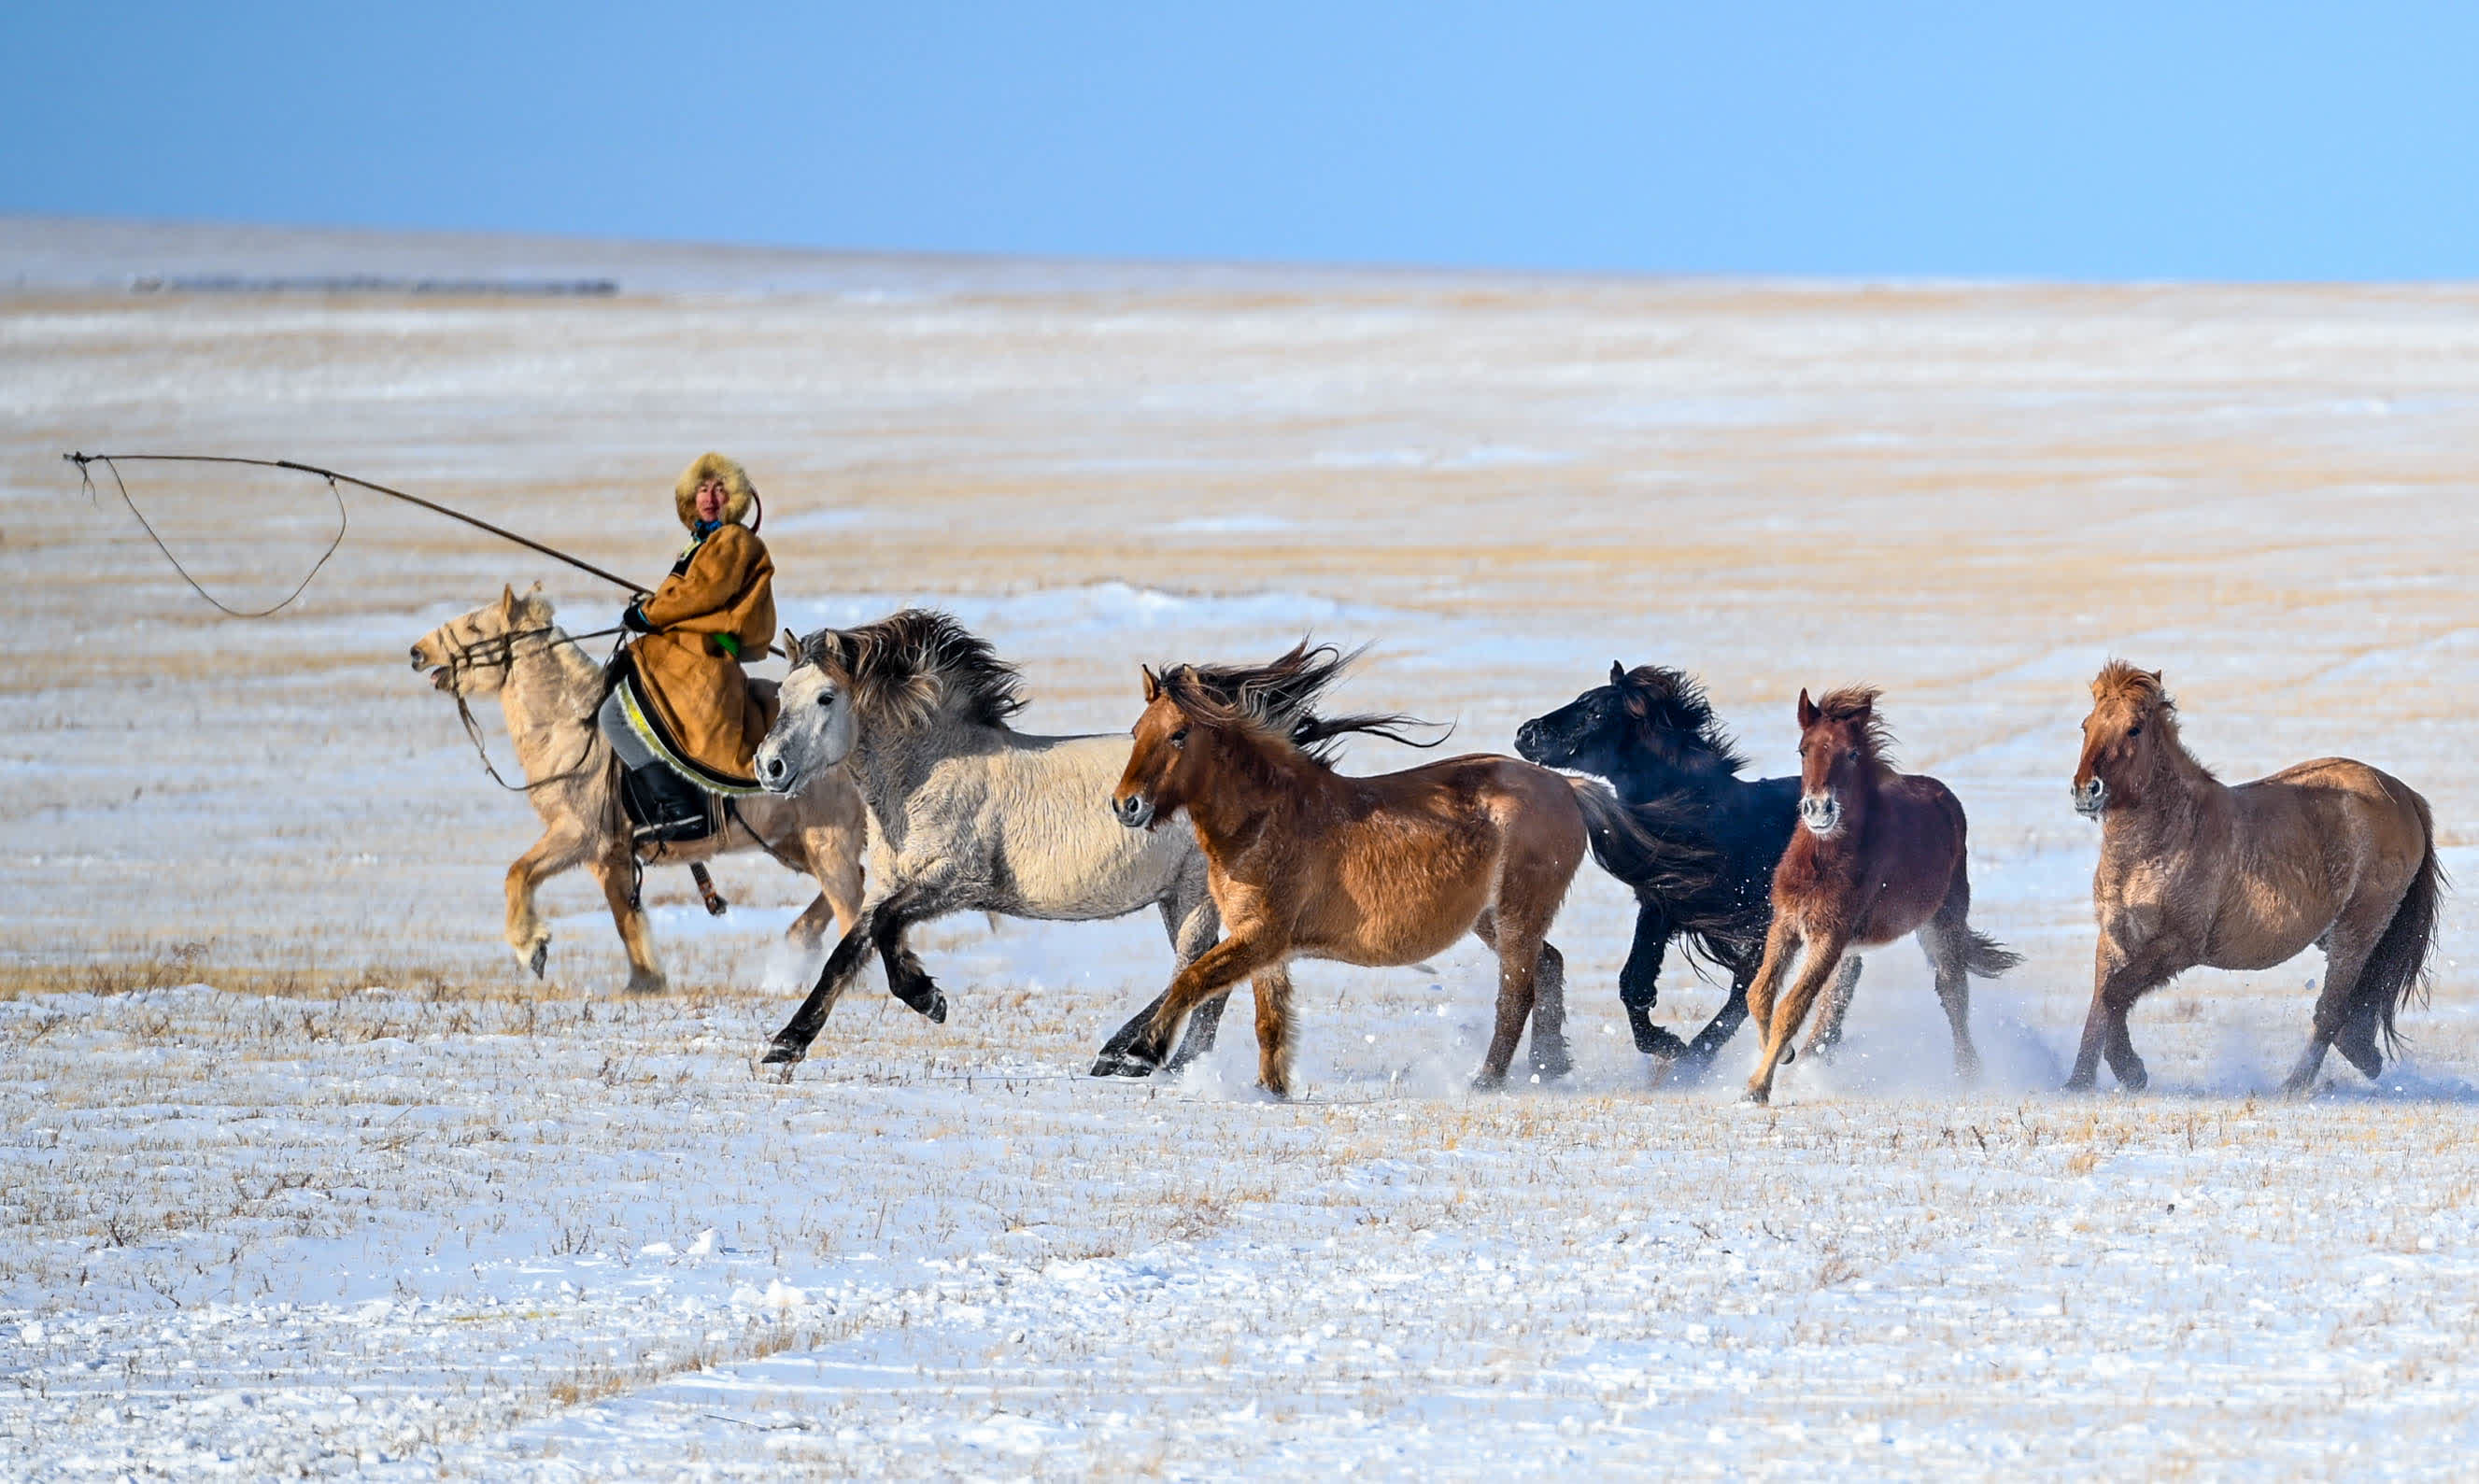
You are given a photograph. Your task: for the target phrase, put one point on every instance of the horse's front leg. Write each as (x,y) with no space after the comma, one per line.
(527,934)
(1193,927)
(1725,1024)
(1639,984)
(1783,944)
(906,979)
(1139,1047)
(792,1042)
(2121,975)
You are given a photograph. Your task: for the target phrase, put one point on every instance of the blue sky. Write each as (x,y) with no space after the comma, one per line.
(2087,142)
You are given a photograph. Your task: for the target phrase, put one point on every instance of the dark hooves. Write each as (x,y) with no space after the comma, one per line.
(1122,1064)
(1654,1042)
(541,955)
(929,999)
(783,1054)
(1488,1082)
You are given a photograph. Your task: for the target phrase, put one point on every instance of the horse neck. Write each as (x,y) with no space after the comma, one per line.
(548,690)
(1651,772)
(2176,793)
(1256,783)
(891,765)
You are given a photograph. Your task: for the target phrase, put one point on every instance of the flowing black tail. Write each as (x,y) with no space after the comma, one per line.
(1988,957)
(2398,968)
(1628,842)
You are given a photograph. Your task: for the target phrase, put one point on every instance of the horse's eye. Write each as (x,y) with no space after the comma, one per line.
(827,702)
(1851,756)
(1179,738)
(2134,732)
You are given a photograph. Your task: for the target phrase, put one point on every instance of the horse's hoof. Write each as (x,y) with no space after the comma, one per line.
(1654,1042)
(1551,1064)
(1488,1082)
(1121,1063)
(929,1000)
(1790,1054)
(539,957)
(647,984)
(1756,1097)
(783,1054)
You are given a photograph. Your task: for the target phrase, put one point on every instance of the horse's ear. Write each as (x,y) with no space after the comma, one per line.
(2155,676)
(792,648)
(508,600)
(1807,712)
(1153,683)
(1618,673)
(1867,706)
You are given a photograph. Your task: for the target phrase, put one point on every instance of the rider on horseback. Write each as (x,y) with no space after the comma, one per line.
(682,714)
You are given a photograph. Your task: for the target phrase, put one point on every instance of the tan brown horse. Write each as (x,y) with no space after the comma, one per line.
(1879,855)
(1304,862)
(2195,872)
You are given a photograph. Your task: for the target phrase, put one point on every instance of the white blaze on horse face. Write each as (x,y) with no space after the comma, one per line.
(813,730)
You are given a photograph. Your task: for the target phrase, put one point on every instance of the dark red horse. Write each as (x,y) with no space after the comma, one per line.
(1877,855)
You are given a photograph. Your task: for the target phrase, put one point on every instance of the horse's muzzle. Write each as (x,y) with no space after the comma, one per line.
(1135,811)
(1821,815)
(1527,742)
(2090,798)
(774,773)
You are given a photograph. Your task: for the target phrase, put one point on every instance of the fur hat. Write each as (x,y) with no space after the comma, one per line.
(738,492)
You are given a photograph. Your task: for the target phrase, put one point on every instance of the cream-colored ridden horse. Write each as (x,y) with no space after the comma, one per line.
(549,688)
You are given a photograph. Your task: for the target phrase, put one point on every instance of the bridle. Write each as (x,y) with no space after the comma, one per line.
(476,655)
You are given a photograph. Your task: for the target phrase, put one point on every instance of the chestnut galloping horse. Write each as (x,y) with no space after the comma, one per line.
(1375,871)
(2196,873)
(1877,855)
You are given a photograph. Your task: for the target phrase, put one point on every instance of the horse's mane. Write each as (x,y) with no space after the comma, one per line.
(1674,718)
(1273,701)
(907,664)
(1858,704)
(2119,678)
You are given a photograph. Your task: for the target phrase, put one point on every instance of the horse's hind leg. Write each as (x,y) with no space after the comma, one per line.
(555,851)
(617,875)
(1945,939)
(1522,957)
(1547,1050)
(2347,947)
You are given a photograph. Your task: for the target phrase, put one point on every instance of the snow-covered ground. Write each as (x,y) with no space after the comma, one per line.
(300,1172)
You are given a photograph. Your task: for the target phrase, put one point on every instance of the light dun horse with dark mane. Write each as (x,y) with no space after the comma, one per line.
(1879,855)
(1375,871)
(971,814)
(2196,873)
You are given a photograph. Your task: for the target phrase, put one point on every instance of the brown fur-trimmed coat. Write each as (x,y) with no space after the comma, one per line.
(722,585)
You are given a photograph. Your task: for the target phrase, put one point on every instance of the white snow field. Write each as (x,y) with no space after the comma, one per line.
(300,1173)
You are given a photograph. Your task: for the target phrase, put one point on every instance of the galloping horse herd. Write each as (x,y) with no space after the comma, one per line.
(905,724)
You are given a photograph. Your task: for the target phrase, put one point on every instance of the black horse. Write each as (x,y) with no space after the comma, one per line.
(1652,734)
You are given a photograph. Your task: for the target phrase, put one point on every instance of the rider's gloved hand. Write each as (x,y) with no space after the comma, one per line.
(633,620)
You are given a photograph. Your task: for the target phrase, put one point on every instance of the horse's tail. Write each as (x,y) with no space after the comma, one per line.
(1985,957)
(2398,968)
(1628,842)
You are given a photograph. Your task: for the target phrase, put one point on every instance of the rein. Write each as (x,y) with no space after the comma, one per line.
(462,659)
